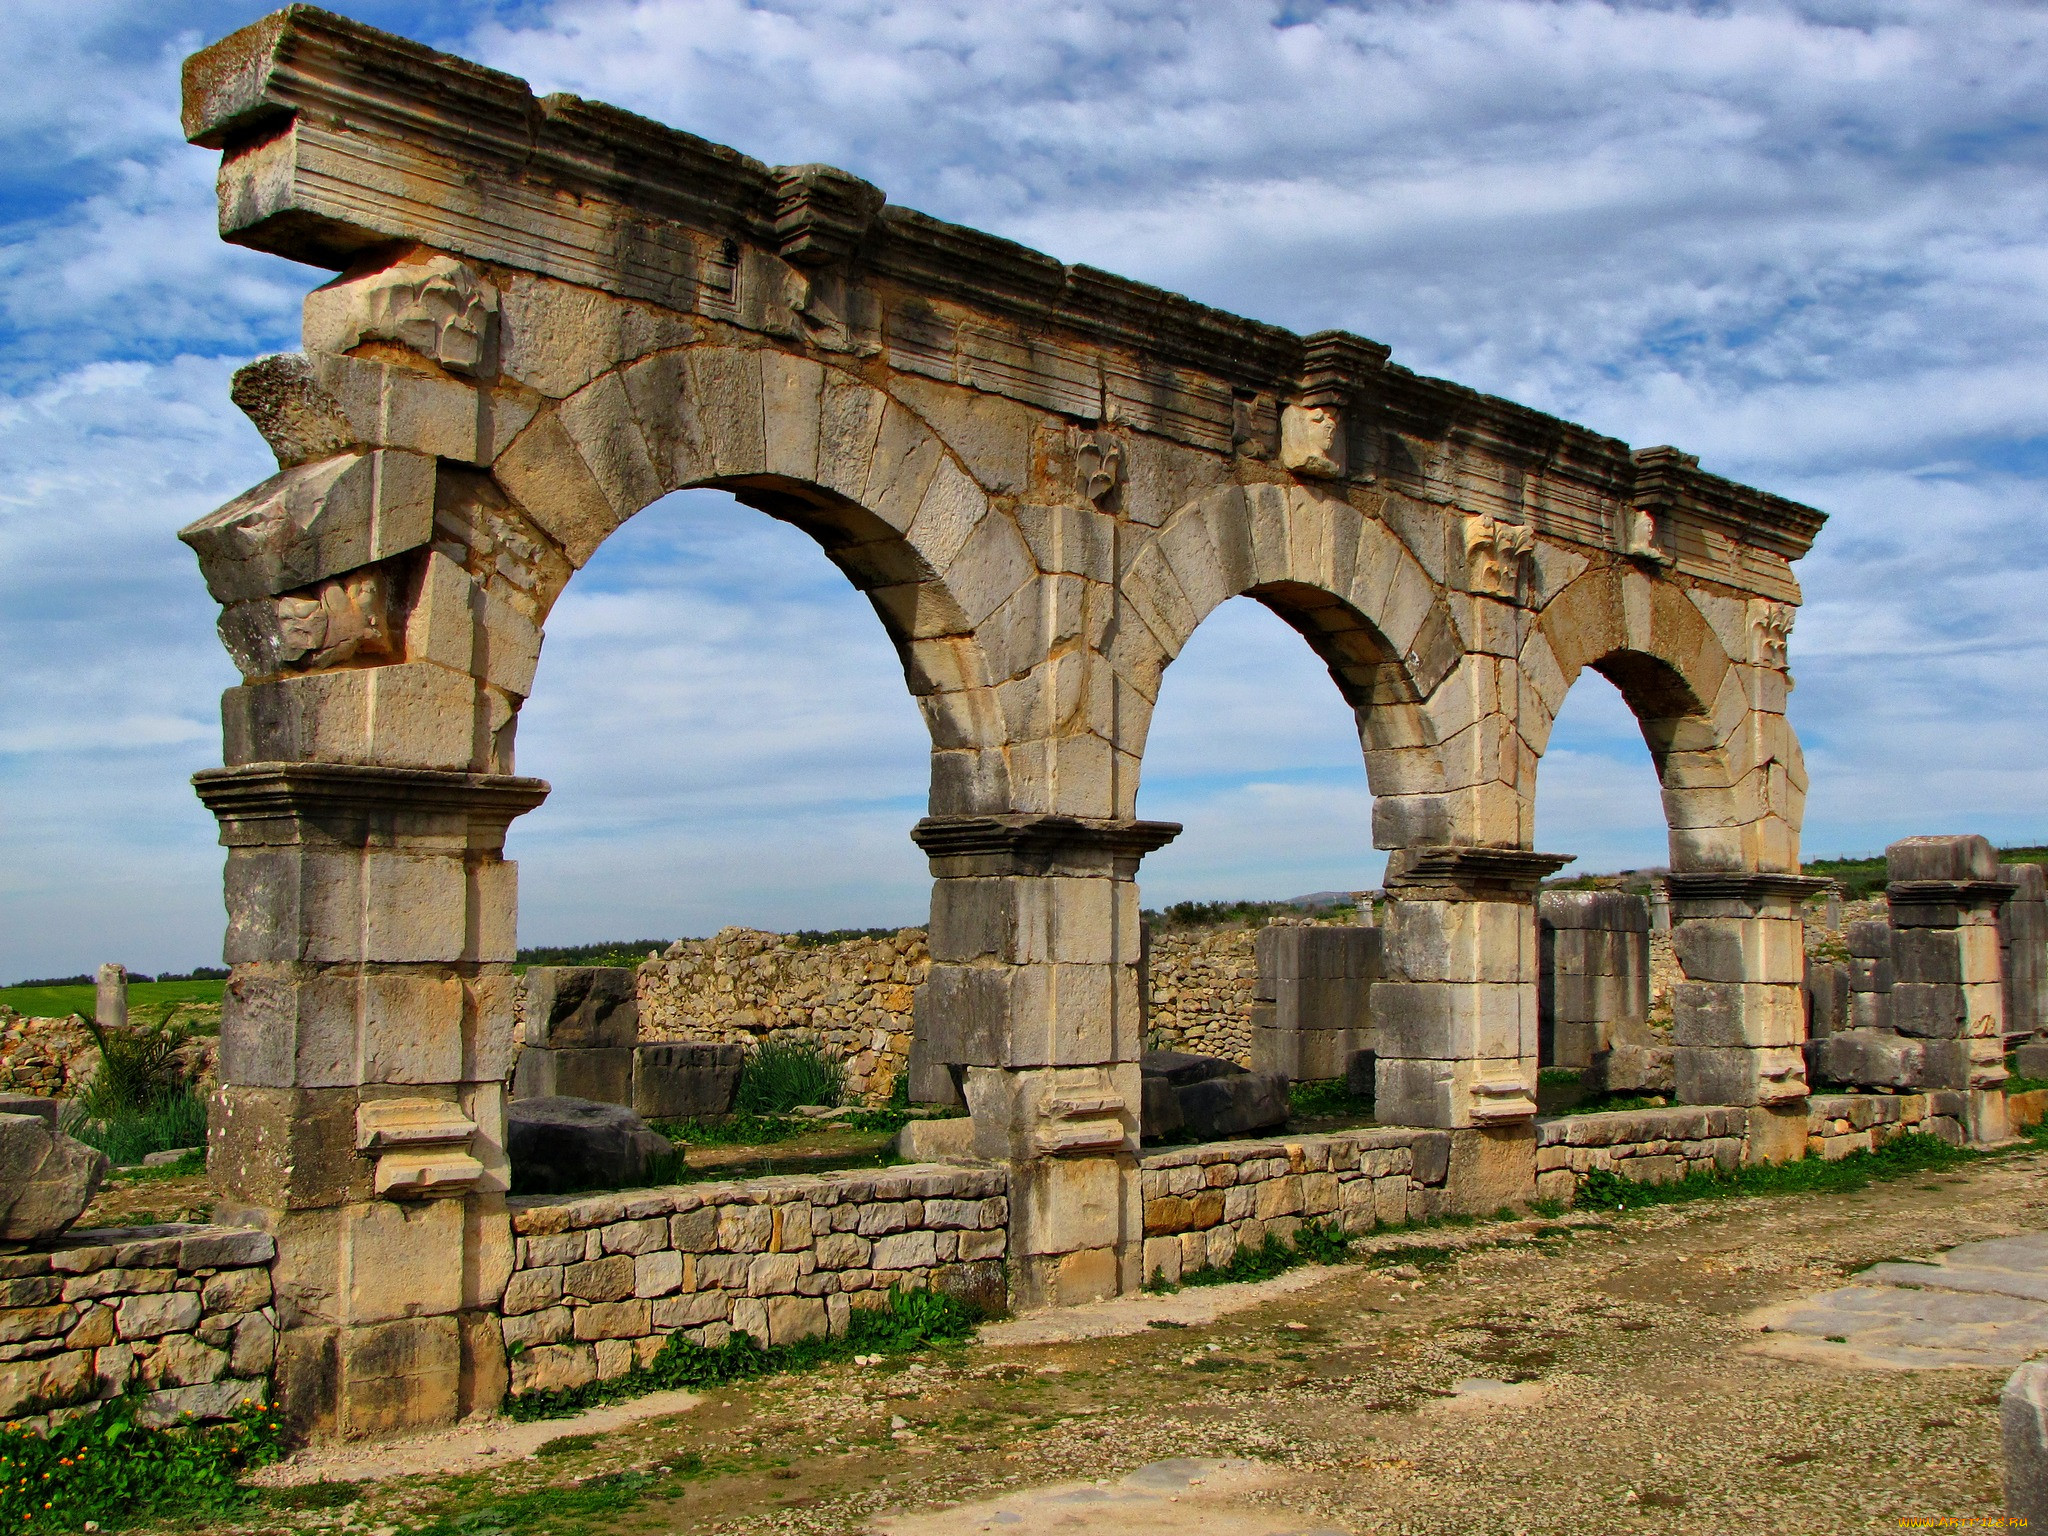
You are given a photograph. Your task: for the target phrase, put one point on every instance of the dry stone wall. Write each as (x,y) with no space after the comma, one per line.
(599,1283)
(742,985)
(182,1314)
(1200,982)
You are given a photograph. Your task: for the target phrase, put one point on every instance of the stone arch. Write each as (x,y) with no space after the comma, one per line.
(1688,694)
(892,506)
(1342,580)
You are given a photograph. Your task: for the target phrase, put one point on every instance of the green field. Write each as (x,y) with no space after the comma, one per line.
(148,1001)
(1864,877)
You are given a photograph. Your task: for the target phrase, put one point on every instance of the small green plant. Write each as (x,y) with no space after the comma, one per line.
(107,1468)
(1547,1207)
(1560,1077)
(911,1320)
(784,1073)
(1325,1097)
(610,952)
(1902,1157)
(1314,1242)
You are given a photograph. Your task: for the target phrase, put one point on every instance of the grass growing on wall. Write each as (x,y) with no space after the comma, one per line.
(106,1468)
(912,1320)
(1912,1153)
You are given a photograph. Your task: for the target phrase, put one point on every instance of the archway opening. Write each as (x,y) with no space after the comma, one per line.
(736,763)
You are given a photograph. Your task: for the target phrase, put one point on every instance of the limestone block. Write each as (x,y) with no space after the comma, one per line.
(1488,941)
(314,521)
(1933,1011)
(1765,949)
(2023,1428)
(1708,1013)
(1965,1064)
(1450,1021)
(46,1178)
(407,715)
(581,1006)
(1448,1093)
(1941,858)
(1871,1058)
(1739,1075)
(1066,1204)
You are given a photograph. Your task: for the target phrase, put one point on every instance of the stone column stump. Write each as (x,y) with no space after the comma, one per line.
(1949,994)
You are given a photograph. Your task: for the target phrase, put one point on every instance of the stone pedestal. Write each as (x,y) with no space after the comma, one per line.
(1456,1016)
(110,996)
(1739,1017)
(1033,1010)
(1948,993)
(366,1037)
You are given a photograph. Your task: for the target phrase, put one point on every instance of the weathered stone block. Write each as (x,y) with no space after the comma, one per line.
(581,1005)
(686,1079)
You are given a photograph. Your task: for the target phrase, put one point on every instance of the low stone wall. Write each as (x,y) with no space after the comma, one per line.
(741,985)
(45,1057)
(1654,1146)
(1840,1123)
(183,1312)
(1203,1203)
(600,1282)
(1201,982)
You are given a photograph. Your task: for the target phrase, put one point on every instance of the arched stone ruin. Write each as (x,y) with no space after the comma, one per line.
(548,314)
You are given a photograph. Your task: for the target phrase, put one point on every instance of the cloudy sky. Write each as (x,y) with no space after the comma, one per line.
(1808,242)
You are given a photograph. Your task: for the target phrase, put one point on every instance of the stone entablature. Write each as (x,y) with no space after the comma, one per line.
(598,1283)
(184,1314)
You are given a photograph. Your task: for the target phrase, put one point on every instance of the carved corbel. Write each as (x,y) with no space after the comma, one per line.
(300,420)
(1082,1113)
(324,626)
(421,1147)
(432,305)
(1660,476)
(1314,427)
(1496,555)
(1500,1101)
(1771,634)
(821,217)
(1098,469)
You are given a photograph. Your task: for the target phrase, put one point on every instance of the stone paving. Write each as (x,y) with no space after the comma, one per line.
(1981,1305)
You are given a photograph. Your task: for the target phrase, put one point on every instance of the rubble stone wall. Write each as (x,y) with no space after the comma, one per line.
(1199,993)
(601,1281)
(184,1313)
(743,985)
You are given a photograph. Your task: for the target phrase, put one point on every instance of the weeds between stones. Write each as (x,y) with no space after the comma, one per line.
(911,1321)
(106,1467)
(782,1074)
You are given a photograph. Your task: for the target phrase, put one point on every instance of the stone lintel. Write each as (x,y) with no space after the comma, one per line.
(1714,892)
(1445,873)
(352,804)
(1029,844)
(1975,895)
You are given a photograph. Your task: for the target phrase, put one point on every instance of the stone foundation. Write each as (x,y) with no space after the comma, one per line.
(599,1282)
(182,1312)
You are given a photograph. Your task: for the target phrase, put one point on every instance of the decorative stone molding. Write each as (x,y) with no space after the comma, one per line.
(1691,889)
(435,306)
(1082,1112)
(1314,428)
(1027,844)
(298,419)
(1099,468)
(1470,874)
(1771,634)
(1502,1101)
(1496,555)
(822,213)
(346,801)
(421,1147)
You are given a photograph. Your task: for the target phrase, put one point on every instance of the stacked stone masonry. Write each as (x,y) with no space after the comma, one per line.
(1199,989)
(599,1283)
(550,314)
(1594,991)
(183,1315)
(741,985)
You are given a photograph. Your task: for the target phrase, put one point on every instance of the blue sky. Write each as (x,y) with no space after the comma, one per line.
(1808,242)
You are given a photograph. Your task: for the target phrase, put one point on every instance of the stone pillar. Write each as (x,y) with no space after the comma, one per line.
(1738,1025)
(110,997)
(2023,936)
(1593,952)
(366,1038)
(1456,1016)
(1033,1009)
(1944,894)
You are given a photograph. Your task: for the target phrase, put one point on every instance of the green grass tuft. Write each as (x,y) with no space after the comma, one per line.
(1902,1157)
(1325,1097)
(784,1073)
(912,1320)
(127,1136)
(1315,1242)
(105,1467)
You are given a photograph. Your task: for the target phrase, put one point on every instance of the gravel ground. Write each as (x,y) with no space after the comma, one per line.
(1595,1374)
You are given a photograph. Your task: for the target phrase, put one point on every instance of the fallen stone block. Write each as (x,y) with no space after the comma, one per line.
(2023,1425)
(2031,1060)
(1242,1104)
(558,1145)
(686,1079)
(1181,1068)
(1160,1116)
(1871,1059)
(46,1178)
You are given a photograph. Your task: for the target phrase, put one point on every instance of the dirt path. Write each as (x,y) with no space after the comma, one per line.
(1606,1378)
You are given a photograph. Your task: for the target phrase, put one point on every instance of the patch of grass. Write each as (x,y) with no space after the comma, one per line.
(784,1073)
(611,952)
(1902,1157)
(319,1495)
(147,1000)
(1547,1208)
(127,1136)
(592,1505)
(818,938)
(1326,1097)
(107,1468)
(185,1167)
(911,1320)
(741,1130)
(1600,1104)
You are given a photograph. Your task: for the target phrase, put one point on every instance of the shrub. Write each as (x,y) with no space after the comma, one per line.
(140,1099)
(1325,1096)
(784,1073)
(130,1136)
(105,1467)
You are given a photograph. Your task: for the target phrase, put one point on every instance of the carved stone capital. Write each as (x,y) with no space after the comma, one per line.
(1029,844)
(822,213)
(1445,873)
(353,805)
(1731,893)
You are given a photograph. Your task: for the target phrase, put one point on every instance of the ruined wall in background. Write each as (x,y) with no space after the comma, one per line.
(742,985)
